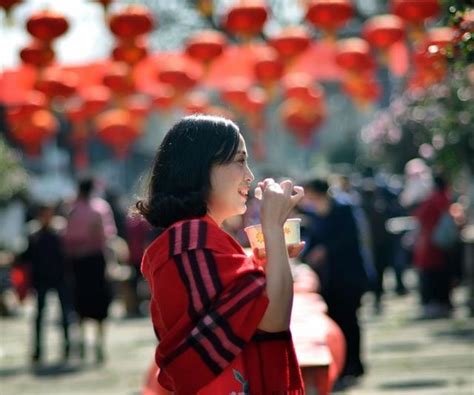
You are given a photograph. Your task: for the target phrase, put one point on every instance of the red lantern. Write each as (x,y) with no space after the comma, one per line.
(130,52)
(119,80)
(247,18)
(95,99)
(76,111)
(131,22)
(21,113)
(255,101)
(47,25)
(235,93)
(304,90)
(196,103)
(329,15)
(382,31)
(37,54)
(268,66)
(32,134)
(178,75)
(138,106)
(117,129)
(163,97)
(362,91)
(57,84)
(206,45)
(353,55)
(7,5)
(291,41)
(301,119)
(441,37)
(415,11)
(431,65)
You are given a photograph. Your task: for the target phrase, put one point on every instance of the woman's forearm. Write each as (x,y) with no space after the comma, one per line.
(279,283)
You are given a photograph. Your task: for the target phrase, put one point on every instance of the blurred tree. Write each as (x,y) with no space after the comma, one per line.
(13,176)
(436,123)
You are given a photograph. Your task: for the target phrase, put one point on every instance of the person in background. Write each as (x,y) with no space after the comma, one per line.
(45,255)
(222,318)
(344,193)
(90,225)
(333,251)
(138,236)
(432,261)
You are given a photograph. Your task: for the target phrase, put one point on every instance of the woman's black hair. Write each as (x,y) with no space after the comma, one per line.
(179,181)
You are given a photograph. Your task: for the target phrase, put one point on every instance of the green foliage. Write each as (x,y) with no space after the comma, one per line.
(13,176)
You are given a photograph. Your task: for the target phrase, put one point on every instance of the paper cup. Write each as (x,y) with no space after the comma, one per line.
(291,228)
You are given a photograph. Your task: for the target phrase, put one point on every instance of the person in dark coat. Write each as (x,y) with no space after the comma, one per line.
(45,255)
(333,251)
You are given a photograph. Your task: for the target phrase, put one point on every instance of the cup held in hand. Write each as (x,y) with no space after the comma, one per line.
(291,229)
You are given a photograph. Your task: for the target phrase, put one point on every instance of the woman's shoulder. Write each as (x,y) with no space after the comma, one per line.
(191,234)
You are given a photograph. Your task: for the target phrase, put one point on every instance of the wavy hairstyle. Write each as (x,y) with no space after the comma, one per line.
(179,182)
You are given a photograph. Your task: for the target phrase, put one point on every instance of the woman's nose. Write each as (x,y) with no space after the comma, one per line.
(249,177)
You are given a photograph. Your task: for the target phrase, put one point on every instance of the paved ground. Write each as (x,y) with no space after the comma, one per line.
(403,355)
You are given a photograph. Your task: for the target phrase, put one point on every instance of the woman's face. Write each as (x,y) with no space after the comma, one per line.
(230,184)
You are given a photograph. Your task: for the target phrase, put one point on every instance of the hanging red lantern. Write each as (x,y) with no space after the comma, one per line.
(430,64)
(130,52)
(305,90)
(132,21)
(117,129)
(247,18)
(301,120)
(95,99)
(415,11)
(37,54)
(34,101)
(235,93)
(47,25)
(57,84)
(163,97)
(118,79)
(382,31)
(7,5)
(206,45)
(33,133)
(178,75)
(329,15)
(254,102)
(362,91)
(138,106)
(441,37)
(291,41)
(75,111)
(268,66)
(353,55)
(196,103)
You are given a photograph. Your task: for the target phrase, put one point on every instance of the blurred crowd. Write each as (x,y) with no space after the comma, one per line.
(356,226)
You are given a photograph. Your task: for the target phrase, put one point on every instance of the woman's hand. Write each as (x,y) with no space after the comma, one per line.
(293,251)
(277,201)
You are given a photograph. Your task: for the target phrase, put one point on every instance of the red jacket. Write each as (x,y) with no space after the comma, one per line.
(426,254)
(208,298)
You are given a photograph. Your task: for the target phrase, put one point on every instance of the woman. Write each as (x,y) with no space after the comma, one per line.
(222,320)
